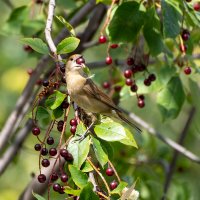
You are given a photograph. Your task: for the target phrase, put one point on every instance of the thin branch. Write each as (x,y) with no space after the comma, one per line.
(9,4)
(112,166)
(175,155)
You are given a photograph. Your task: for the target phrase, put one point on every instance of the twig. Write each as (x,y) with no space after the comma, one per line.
(112,166)
(172,166)
(8,3)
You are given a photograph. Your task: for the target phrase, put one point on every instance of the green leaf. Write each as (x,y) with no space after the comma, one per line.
(57,113)
(107,2)
(43,116)
(119,188)
(87,193)
(99,152)
(79,150)
(67,25)
(152,33)
(69,190)
(129,16)
(86,167)
(59,98)
(171,98)
(79,178)
(110,131)
(172,16)
(36,44)
(107,148)
(37,196)
(129,139)
(68,45)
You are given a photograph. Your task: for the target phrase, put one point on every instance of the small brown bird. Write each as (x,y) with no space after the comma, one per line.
(86,94)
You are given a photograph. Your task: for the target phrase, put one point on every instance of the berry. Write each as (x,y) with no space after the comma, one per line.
(147,82)
(56,187)
(73,129)
(141,68)
(30,71)
(141,97)
(62,190)
(128,73)
(134,69)
(60,127)
(187,70)
(50,140)
(102,39)
(141,103)
(69,157)
(196,6)
(62,68)
(80,61)
(38,147)
(130,61)
(52,151)
(45,83)
(44,151)
(36,131)
(117,88)
(114,46)
(106,85)
(54,176)
(185,34)
(61,122)
(64,177)
(183,48)
(152,77)
(129,82)
(45,162)
(28,49)
(109,172)
(108,60)
(73,122)
(134,88)
(65,105)
(113,185)
(188,1)
(39,1)
(63,152)
(41,178)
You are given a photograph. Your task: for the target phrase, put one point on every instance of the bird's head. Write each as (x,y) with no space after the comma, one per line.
(75,63)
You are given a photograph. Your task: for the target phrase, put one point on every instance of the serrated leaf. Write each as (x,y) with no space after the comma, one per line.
(79,178)
(59,98)
(87,193)
(99,152)
(68,45)
(86,167)
(171,98)
(129,15)
(36,44)
(119,188)
(43,116)
(129,139)
(37,196)
(79,150)
(172,17)
(69,190)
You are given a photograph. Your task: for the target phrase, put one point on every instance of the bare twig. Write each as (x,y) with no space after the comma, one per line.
(172,165)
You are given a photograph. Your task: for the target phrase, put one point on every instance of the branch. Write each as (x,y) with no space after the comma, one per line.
(175,155)
(9,4)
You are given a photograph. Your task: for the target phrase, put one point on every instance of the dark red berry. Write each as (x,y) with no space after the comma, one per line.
(45,83)
(134,88)
(128,73)
(38,147)
(106,85)
(114,46)
(73,129)
(50,140)
(129,82)
(44,151)
(62,68)
(130,61)
(73,122)
(147,82)
(56,187)
(62,190)
(65,105)
(64,177)
(54,176)
(188,1)
(36,131)
(183,48)
(102,39)
(152,77)
(45,162)
(109,172)
(113,185)
(28,49)
(141,67)
(41,178)
(185,34)
(141,103)
(187,70)
(196,6)
(52,151)
(108,60)
(30,71)
(117,88)
(141,97)
(69,157)
(134,69)
(59,128)
(60,123)
(63,152)
(80,61)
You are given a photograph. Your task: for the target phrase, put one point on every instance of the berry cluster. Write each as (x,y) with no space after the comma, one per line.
(73,123)
(110,172)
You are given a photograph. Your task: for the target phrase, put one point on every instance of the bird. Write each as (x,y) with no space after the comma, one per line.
(87,95)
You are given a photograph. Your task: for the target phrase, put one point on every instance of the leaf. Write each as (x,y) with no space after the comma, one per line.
(37,196)
(107,148)
(99,152)
(129,16)
(172,16)
(129,139)
(59,98)
(87,193)
(171,98)
(69,190)
(68,45)
(36,44)
(86,167)
(67,25)
(43,116)
(119,188)
(79,178)
(57,113)
(110,131)
(79,150)
(130,193)
(152,33)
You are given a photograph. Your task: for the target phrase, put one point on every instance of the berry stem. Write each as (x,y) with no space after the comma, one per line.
(103,195)
(116,174)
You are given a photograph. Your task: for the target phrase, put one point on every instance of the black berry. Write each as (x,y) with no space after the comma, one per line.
(54,176)
(52,151)
(45,162)
(63,152)
(134,88)
(56,187)
(130,61)
(41,178)
(64,177)
(36,131)
(45,83)
(50,140)
(44,151)
(38,147)
(113,185)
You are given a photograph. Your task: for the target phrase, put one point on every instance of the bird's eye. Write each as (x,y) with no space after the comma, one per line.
(71,59)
